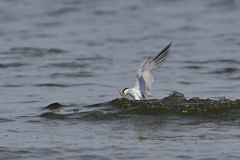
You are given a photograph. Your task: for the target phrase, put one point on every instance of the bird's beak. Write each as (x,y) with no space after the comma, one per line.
(122,94)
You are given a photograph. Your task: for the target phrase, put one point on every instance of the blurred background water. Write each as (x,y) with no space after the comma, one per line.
(79,53)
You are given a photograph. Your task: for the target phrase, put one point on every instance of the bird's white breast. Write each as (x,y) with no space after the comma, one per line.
(136,94)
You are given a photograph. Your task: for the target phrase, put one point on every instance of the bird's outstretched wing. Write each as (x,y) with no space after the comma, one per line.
(145,72)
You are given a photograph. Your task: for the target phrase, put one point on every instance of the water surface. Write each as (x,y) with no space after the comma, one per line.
(63,62)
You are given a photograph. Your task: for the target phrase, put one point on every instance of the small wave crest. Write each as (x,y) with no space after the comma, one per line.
(174,104)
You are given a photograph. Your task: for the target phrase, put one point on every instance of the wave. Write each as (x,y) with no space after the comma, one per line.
(175,104)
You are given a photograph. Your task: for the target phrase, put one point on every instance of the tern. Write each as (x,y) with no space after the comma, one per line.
(145,75)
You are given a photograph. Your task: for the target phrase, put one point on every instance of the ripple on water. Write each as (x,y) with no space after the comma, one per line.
(173,105)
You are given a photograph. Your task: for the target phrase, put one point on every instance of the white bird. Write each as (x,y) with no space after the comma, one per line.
(145,75)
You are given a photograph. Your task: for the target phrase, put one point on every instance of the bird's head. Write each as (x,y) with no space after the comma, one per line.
(124,92)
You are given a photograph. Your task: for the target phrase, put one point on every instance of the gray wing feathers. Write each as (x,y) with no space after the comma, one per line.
(147,72)
(140,82)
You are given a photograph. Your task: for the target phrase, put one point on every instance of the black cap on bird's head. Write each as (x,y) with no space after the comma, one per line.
(124,89)
(123,94)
